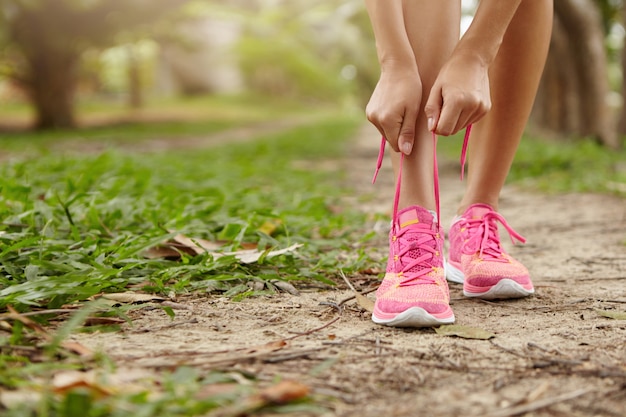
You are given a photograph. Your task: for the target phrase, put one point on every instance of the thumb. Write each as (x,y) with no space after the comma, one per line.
(407,131)
(433,107)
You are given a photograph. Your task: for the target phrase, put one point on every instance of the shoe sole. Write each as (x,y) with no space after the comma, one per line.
(505,288)
(453,274)
(413,317)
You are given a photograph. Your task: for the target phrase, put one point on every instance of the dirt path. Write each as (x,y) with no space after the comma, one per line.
(552,355)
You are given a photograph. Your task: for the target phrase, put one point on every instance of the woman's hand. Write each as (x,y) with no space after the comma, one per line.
(460,95)
(394,106)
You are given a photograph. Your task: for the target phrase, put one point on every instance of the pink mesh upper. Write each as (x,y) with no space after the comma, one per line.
(415,275)
(475,248)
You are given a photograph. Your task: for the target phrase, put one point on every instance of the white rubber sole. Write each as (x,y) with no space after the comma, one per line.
(413,317)
(453,274)
(506,288)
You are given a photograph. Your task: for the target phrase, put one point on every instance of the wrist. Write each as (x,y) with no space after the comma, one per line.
(482,56)
(398,65)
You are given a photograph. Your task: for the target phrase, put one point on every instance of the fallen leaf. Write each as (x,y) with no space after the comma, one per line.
(77,348)
(132,297)
(616,315)
(161,252)
(284,392)
(365,302)
(281,393)
(252,256)
(67,381)
(361,300)
(127,380)
(36,327)
(465,332)
(199,246)
(266,348)
(192,246)
(285,286)
(103,321)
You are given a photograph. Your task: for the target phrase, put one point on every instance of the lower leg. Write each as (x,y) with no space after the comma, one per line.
(433,31)
(514,79)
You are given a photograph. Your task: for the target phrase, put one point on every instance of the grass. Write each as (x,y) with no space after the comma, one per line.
(76,226)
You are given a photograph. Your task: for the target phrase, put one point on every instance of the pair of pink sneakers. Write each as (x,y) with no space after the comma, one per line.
(414,291)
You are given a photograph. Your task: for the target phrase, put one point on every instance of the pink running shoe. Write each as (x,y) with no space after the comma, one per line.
(478,260)
(414,292)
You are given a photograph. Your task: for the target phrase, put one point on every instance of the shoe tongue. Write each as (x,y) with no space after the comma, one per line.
(477,211)
(413,215)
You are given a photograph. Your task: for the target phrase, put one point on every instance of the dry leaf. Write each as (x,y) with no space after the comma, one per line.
(465,332)
(103,321)
(266,348)
(77,348)
(285,286)
(65,382)
(182,243)
(284,392)
(132,297)
(251,256)
(281,393)
(13,314)
(198,246)
(362,300)
(616,315)
(128,380)
(161,252)
(365,302)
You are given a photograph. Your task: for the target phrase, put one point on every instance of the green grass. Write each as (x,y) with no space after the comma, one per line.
(75,226)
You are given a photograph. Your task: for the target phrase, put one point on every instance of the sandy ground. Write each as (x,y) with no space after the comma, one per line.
(553,354)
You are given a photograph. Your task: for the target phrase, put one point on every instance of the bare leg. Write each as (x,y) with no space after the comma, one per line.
(433,31)
(514,78)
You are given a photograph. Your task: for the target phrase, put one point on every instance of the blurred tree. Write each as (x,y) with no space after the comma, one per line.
(574,90)
(311,49)
(44,40)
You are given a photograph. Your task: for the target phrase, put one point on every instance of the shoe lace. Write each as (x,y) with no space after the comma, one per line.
(417,243)
(484,238)
(379,163)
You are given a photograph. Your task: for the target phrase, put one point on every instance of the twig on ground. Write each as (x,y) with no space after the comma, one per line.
(314,330)
(352,297)
(7,317)
(333,305)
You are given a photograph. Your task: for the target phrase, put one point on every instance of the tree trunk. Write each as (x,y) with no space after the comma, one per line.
(622,117)
(52,84)
(573,96)
(135,96)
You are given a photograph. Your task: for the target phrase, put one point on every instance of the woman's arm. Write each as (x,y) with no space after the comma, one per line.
(395,103)
(460,95)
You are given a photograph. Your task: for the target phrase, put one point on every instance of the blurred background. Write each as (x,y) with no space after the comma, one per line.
(67,64)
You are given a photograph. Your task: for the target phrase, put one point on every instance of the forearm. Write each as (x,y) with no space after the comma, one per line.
(392,42)
(485,35)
